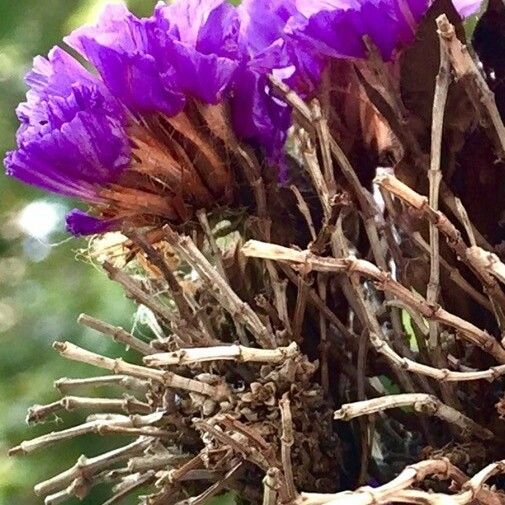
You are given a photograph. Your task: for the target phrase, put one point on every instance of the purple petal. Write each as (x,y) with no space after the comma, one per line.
(86,151)
(263,22)
(202,76)
(130,55)
(82,223)
(257,116)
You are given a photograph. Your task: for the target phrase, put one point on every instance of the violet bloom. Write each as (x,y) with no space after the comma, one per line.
(129,141)
(335,28)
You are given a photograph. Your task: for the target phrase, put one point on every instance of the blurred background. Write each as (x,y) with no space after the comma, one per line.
(43,288)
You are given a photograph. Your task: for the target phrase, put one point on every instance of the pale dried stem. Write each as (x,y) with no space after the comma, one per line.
(128,405)
(154,256)
(304,210)
(351,265)
(219,288)
(466,69)
(222,484)
(87,467)
(237,353)
(407,195)
(442,83)
(315,300)
(454,274)
(117,333)
(303,289)
(65,384)
(155,462)
(216,252)
(323,135)
(271,486)
(133,483)
(443,80)
(287,441)
(440,374)
(168,379)
(134,290)
(133,425)
(393,490)
(421,402)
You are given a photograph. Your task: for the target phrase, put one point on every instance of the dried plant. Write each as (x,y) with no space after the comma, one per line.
(311,337)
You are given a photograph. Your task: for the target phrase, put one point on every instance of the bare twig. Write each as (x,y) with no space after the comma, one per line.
(466,70)
(435,176)
(444,374)
(219,288)
(271,486)
(453,236)
(65,385)
(392,491)
(236,353)
(384,281)
(428,404)
(139,425)
(128,405)
(287,441)
(86,467)
(169,379)
(117,333)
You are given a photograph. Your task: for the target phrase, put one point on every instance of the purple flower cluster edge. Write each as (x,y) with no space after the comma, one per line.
(73,135)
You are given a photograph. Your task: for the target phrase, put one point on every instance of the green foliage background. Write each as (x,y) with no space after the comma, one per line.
(42,287)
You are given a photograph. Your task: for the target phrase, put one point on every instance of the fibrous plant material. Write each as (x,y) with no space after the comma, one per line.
(327,321)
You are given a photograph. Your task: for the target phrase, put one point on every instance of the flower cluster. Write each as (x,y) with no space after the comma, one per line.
(131,139)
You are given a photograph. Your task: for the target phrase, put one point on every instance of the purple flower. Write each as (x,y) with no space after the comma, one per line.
(132,141)
(110,140)
(336,28)
(72,132)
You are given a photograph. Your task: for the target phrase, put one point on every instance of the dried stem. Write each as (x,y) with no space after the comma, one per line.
(350,265)
(435,176)
(453,236)
(271,486)
(169,379)
(467,71)
(128,405)
(86,467)
(133,425)
(443,375)
(117,333)
(236,353)
(393,490)
(65,385)
(421,402)
(287,440)
(219,288)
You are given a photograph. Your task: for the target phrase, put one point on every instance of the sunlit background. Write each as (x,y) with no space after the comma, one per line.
(42,287)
